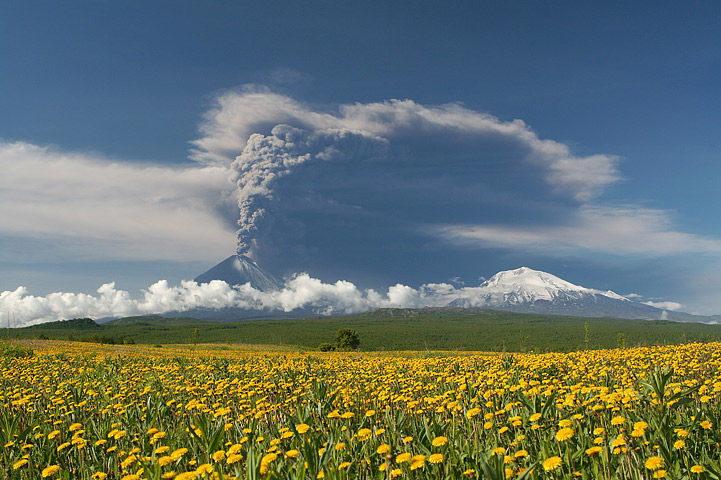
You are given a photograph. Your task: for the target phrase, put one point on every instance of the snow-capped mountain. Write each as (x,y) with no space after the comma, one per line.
(238,270)
(525,290)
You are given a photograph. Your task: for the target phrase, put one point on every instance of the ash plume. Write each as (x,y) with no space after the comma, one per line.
(266,159)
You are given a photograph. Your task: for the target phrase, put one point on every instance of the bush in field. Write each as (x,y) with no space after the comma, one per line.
(347,339)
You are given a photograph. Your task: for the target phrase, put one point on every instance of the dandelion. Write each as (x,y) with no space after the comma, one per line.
(403,457)
(302,428)
(593,451)
(383,448)
(436,458)
(292,454)
(50,470)
(564,434)
(439,441)
(679,444)
(418,461)
(20,464)
(654,463)
(552,463)
(706,425)
(697,469)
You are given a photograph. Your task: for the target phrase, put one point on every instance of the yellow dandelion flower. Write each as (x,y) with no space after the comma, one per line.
(473,412)
(418,461)
(383,448)
(697,469)
(439,441)
(20,463)
(436,458)
(654,463)
(204,469)
(50,470)
(233,458)
(593,451)
(302,428)
(564,434)
(552,463)
(403,457)
(659,474)
(292,453)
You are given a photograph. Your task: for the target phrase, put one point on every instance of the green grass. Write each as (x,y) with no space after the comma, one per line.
(390,329)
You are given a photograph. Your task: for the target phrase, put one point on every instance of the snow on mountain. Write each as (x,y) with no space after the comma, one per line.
(527,285)
(238,270)
(525,290)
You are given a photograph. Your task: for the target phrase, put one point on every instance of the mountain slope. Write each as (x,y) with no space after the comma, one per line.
(238,270)
(525,290)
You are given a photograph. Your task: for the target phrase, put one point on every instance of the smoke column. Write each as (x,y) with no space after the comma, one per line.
(265,160)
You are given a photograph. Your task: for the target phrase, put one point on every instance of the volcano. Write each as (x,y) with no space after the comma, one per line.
(239,270)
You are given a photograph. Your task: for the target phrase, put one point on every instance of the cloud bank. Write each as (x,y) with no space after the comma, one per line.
(108,210)
(299,292)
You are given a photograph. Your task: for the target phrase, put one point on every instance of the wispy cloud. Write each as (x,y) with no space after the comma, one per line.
(106,210)
(665,305)
(622,230)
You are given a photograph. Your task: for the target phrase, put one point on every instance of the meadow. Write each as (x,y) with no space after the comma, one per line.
(78,410)
(391,329)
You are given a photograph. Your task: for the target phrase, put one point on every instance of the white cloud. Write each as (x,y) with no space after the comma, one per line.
(104,210)
(665,305)
(617,230)
(300,291)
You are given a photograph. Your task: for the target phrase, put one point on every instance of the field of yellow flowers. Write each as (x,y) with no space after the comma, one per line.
(75,411)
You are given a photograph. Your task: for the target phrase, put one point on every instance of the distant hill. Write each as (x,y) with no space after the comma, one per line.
(391,329)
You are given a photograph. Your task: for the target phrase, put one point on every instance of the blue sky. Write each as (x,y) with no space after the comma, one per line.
(121,124)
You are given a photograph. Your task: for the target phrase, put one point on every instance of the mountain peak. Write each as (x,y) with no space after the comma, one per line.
(532,281)
(239,270)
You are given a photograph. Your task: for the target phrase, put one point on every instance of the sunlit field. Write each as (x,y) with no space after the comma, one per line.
(75,410)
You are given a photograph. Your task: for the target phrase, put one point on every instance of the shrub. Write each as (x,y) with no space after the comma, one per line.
(347,339)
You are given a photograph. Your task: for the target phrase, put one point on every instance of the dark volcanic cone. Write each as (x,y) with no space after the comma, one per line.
(238,270)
